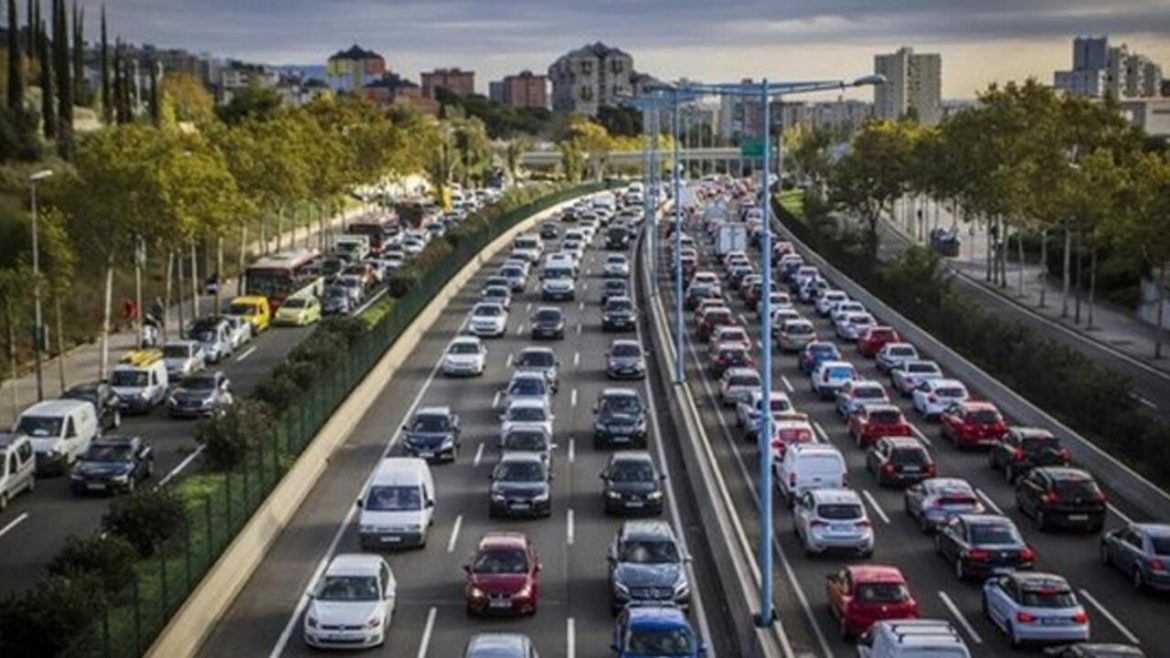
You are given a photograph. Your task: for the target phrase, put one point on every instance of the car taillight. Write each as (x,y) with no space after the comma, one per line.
(1050,497)
(930,470)
(1101,497)
(1017,454)
(978,555)
(825,376)
(888,469)
(817,524)
(1026,554)
(864,523)
(1065,454)
(1025,617)
(1080,618)
(1157,564)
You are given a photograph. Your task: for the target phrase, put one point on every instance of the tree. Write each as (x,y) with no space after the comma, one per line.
(107,100)
(471,143)
(251,102)
(592,140)
(79,91)
(62,63)
(620,121)
(48,106)
(60,264)
(874,173)
(15,63)
(513,153)
(572,161)
(190,98)
(154,104)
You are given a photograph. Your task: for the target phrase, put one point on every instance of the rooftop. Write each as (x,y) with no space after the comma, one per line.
(356,53)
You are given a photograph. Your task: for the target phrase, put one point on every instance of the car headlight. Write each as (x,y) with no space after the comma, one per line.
(613,494)
(414,527)
(53,453)
(682,587)
(311,621)
(374,622)
(144,395)
(498,497)
(448,442)
(620,587)
(76,475)
(525,591)
(367,528)
(476,593)
(599,427)
(121,479)
(541,497)
(654,495)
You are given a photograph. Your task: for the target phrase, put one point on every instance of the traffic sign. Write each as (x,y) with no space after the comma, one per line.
(752,148)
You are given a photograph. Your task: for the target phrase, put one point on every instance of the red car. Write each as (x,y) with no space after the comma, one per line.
(972,424)
(872,340)
(861,595)
(714,318)
(730,355)
(502,575)
(876,421)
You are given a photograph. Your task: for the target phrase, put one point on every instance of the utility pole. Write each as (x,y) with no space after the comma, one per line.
(39,342)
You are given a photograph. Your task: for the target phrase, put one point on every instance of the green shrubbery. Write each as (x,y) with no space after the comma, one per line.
(229,438)
(109,558)
(146,518)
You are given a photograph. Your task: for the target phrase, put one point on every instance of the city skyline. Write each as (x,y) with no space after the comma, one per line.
(994,41)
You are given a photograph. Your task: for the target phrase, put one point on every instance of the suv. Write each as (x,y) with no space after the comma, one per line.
(1063,496)
(1023,448)
(830,376)
(646,563)
(548,322)
(539,359)
(832,519)
(621,418)
(632,483)
(432,434)
(912,637)
(899,460)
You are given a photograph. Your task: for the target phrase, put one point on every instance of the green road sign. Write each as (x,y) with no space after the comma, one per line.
(752,148)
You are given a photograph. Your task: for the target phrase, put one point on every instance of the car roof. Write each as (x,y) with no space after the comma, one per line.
(904,442)
(646,529)
(985,518)
(626,341)
(55,407)
(631,456)
(1065,473)
(835,496)
(880,406)
(528,402)
(655,615)
(521,456)
(1039,579)
(534,349)
(1154,529)
(875,573)
(944,383)
(615,392)
(941,484)
(494,540)
(741,372)
(466,339)
(978,405)
(354,564)
(499,644)
(117,440)
(434,411)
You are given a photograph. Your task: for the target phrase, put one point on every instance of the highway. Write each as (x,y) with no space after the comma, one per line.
(1118,613)
(574,609)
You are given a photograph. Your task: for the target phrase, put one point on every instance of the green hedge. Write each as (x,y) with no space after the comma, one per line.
(1094,401)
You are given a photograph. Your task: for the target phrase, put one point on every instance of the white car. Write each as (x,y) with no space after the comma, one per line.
(830,376)
(729,334)
(934,396)
(738,385)
(846,307)
(833,519)
(413,246)
(617,265)
(528,413)
(748,412)
(466,355)
(501,295)
(808,467)
(858,393)
(829,300)
(910,375)
(488,319)
(352,604)
(850,326)
(1035,607)
(557,283)
(239,331)
(705,278)
(183,357)
(892,355)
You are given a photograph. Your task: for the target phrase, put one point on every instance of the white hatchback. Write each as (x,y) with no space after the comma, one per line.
(934,396)
(352,604)
(466,355)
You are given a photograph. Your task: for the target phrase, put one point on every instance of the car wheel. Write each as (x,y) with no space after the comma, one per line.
(1013,639)
(32,485)
(1139,581)
(149,469)
(960,571)
(1105,558)
(984,607)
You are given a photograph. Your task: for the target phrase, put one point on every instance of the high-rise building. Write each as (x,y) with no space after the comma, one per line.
(1100,69)
(456,80)
(913,86)
(496,91)
(591,76)
(1090,53)
(842,114)
(353,69)
(741,117)
(524,89)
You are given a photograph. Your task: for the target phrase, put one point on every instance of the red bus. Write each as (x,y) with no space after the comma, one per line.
(378,228)
(285,274)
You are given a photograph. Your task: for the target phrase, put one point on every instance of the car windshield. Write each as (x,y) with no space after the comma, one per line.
(527,386)
(823,350)
(109,453)
(660,642)
(744,380)
(548,315)
(649,551)
(393,499)
(526,414)
(950,392)
(621,404)
(241,309)
(840,373)
(631,471)
(613,286)
(1072,489)
(1038,443)
(885,416)
(37,426)
(526,441)
(920,368)
(296,302)
(520,472)
(336,293)
(1161,545)
(197,384)
(882,593)
(869,392)
(430,423)
(176,351)
(799,328)
(348,588)
(909,457)
(994,533)
(488,311)
(496,291)
(503,561)
(83,393)
(620,305)
(464,348)
(1048,598)
(129,378)
(840,511)
(902,351)
(627,350)
(536,360)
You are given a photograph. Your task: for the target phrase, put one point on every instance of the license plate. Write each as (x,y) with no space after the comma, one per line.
(426,454)
(1052,621)
(999,571)
(501,603)
(839,528)
(96,486)
(912,469)
(521,505)
(391,539)
(1078,517)
(634,503)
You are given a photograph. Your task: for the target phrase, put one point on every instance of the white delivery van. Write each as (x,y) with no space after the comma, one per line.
(60,430)
(809,466)
(140,381)
(912,638)
(398,505)
(18,465)
(352,248)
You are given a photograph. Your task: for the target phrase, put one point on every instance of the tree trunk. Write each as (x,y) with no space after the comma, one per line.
(1078,288)
(990,253)
(1161,330)
(279,227)
(264,234)
(1043,267)
(194,284)
(60,340)
(240,271)
(1092,287)
(104,363)
(218,270)
(182,284)
(1020,253)
(1066,273)
(11,322)
(138,301)
(1003,251)
(165,320)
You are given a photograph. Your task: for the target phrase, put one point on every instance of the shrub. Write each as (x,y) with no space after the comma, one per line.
(277,390)
(109,558)
(44,620)
(146,518)
(229,438)
(349,328)
(402,282)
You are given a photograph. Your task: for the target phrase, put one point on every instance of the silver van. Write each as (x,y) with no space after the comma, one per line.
(18,467)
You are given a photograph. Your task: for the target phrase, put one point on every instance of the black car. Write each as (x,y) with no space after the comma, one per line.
(1096,650)
(1061,496)
(548,231)
(614,288)
(619,314)
(548,322)
(521,486)
(114,464)
(201,394)
(1024,448)
(899,461)
(981,545)
(647,564)
(433,434)
(625,360)
(632,484)
(621,419)
(617,238)
(104,400)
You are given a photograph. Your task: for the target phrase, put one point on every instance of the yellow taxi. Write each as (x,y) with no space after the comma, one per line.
(252,308)
(298,311)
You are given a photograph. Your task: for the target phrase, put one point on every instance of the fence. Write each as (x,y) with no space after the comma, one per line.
(218,504)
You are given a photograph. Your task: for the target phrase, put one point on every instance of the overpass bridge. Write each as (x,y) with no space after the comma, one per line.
(722,160)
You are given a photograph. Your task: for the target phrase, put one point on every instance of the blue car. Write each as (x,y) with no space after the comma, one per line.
(652,630)
(816,352)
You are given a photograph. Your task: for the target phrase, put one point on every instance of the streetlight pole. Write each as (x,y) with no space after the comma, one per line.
(678,285)
(38,323)
(767,614)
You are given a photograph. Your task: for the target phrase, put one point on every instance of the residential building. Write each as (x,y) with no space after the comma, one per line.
(390,87)
(353,69)
(298,91)
(236,75)
(525,89)
(1090,53)
(456,81)
(740,117)
(913,86)
(1091,83)
(1100,69)
(591,76)
(1149,114)
(496,91)
(842,114)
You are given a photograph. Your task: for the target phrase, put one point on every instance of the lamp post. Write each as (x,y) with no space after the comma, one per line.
(38,324)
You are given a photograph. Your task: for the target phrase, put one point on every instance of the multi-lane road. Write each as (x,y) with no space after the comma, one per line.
(1118,613)
(574,610)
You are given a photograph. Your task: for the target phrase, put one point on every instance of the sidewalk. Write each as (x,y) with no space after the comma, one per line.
(83,361)
(1113,327)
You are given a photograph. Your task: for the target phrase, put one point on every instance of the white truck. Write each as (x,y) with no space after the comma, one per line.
(732,237)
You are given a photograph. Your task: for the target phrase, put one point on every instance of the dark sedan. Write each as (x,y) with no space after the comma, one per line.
(433,434)
(632,484)
(619,314)
(104,400)
(625,360)
(548,322)
(1024,448)
(114,464)
(982,545)
(621,419)
(521,486)
(1067,497)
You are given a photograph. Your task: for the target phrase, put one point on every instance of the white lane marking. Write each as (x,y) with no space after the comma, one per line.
(573,399)
(572,450)
(508,363)
(1109,615)
(182,465)
(427,630)
(578,328)
(988,501)
(520,329)
(576,359)
(455,532)
(571,638)
(528,307)
(959,616)
(1145,402)
(787,384)
(742,319)
(918,433)
(478,456)
(1122,515)
(13,523)
(580,306)
(247,353)
(496,399)
(821,431)
(876,507)
(569,528)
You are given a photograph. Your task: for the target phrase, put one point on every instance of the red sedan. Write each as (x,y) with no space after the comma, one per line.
(714,318)
(876,421)
(502,575)
(873,339)
(863,594)
(972,424)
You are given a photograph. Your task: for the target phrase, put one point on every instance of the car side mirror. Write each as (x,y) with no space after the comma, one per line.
(601,476)
(430,504)
(467,568)
(360,503)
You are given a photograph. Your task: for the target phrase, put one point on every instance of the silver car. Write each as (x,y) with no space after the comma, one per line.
(1035,607)
(910,375)
(539,359)
(499,645)
(737,385)
(892,355)
(833,519)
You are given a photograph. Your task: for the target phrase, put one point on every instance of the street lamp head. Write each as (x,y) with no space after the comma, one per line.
(40,175)
(870,80)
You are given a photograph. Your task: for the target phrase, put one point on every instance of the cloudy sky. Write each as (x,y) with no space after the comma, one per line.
(981,41)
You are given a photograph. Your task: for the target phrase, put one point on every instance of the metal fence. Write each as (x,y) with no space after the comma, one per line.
(220,503)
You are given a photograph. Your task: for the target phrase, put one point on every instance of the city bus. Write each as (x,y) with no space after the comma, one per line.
(380,229)
(284,275)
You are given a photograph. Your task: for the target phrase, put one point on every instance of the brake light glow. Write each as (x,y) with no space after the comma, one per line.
(888,468)
(1017,454)
(864,523)
(1080,618)
(978,555)
(1157,564)
(1025,617)
(1050,497)
(1027,554)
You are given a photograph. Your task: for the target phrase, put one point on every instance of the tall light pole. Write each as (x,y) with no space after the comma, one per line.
(38,324)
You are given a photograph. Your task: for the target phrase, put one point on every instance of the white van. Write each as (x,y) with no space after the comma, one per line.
(352,248)
(917,638)
(140,381)
(18,465)
(60,430)
(809,466)
(398,505)
(528,246)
